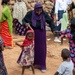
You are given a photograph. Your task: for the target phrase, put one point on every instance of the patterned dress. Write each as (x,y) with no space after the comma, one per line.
(27,55)
(3,70)
(19,28)
(71,44)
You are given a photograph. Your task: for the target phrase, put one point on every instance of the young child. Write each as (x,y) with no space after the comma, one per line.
(3,70)
(70,34)
(66,67)
(27,55)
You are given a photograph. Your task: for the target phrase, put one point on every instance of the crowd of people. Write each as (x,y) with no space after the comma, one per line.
(32,25)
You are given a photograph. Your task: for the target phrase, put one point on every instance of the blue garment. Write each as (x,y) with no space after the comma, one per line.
(3,70)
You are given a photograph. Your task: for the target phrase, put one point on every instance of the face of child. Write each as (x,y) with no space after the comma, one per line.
(30,36)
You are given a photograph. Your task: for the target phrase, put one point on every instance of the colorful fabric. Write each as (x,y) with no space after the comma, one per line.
(27,55)
(36,17)
(71,44)
(27,42)
(3,70)
(5,34)
(19,28)
(19,11)
(6,15)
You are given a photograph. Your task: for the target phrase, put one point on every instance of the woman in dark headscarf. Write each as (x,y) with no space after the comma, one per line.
(36,19)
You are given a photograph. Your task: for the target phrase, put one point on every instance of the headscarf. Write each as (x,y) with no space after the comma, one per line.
(27,42)
(73,28)
(35,17)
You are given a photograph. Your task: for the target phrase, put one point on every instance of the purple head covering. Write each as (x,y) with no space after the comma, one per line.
(36,17)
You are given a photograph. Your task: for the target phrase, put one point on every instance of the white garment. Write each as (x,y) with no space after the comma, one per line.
(69,1)
(20,11)
(66,68)
(61,5)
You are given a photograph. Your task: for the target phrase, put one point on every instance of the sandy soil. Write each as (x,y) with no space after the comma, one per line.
(53,57)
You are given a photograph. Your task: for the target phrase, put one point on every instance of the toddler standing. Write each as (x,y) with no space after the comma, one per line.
(27,55)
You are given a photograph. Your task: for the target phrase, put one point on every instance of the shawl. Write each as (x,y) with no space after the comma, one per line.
(35,17)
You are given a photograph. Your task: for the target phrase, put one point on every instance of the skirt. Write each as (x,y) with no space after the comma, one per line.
(5,34)
(26,57)
(19,28)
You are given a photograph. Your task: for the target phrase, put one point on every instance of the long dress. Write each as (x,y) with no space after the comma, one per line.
(39,39)
(3,70)
(6,26)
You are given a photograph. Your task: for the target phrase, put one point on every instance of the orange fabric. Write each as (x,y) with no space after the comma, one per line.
(5,34)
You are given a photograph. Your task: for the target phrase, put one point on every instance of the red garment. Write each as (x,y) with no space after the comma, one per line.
(27,42)
(5,34)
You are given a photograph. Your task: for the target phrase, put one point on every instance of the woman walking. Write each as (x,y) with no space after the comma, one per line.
(36,19)
(6,25)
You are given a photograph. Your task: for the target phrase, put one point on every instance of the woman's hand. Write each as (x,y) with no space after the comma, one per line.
(28,26)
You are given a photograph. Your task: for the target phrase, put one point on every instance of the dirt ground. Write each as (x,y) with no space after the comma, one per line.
(53,57)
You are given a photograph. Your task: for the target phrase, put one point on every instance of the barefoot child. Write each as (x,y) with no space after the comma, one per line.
(66,67)
(27,55)
(3,70)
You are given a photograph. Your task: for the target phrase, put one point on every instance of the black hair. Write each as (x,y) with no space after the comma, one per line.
(65,53)
(72,22)
(5,2)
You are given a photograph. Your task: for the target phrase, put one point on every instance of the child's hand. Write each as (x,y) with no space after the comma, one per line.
(18,44)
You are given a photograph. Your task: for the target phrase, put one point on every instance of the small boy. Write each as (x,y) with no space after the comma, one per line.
(67,66)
